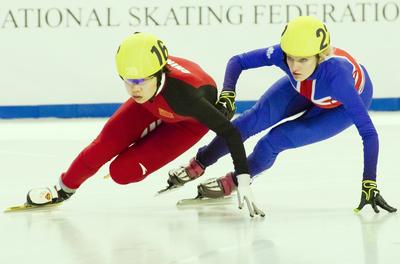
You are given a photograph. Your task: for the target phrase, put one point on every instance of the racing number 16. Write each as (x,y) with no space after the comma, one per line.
(160,51)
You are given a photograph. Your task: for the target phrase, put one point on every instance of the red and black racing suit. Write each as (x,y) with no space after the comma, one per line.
(144,137)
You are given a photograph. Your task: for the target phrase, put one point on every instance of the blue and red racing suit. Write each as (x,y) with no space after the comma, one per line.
(335,96)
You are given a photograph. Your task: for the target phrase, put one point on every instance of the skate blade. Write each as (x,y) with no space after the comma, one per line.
(168,189)
(27,207)
(205,201)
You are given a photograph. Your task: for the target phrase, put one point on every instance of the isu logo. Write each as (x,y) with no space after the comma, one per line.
(165,113)
(270,50)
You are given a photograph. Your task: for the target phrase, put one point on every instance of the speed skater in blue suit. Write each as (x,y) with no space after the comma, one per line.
(325,85)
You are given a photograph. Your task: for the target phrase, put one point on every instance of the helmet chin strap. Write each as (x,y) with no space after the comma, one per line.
(159,85)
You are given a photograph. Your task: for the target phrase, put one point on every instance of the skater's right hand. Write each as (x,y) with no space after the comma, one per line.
(226,104)
(245,194)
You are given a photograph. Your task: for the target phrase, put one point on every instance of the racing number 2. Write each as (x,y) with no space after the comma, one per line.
(319,32)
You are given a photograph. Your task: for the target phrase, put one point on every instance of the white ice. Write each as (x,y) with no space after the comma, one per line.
(308,196)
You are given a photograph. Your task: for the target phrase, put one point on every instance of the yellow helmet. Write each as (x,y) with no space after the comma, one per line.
(140,55)
(305,36)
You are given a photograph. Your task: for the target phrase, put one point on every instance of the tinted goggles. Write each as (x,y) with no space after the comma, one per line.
(139,81)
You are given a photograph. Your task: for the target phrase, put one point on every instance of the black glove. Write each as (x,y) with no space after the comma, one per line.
(371,195)
(226,104)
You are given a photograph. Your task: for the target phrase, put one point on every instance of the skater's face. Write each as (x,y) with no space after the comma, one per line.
(141,90)
(301,67)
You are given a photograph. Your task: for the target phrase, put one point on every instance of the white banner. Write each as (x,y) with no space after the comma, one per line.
(62,52)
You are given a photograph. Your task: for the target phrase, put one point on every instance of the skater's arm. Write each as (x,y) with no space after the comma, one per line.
(199,103)
(249,60)
(344,91)
(206,113)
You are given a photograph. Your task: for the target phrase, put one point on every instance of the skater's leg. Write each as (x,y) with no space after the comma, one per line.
(161,146)
(124,127)
(306,129)
(129,123)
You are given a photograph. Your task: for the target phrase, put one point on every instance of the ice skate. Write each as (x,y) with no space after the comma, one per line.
(42,198)
(214,191)
(180,176)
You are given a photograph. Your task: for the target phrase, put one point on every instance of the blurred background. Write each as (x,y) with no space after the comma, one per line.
(57,57)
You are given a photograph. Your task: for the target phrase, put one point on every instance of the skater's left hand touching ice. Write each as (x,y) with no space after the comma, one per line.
(246,195)
(371,195)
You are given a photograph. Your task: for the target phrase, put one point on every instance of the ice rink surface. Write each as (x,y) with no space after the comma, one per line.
(308,196)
